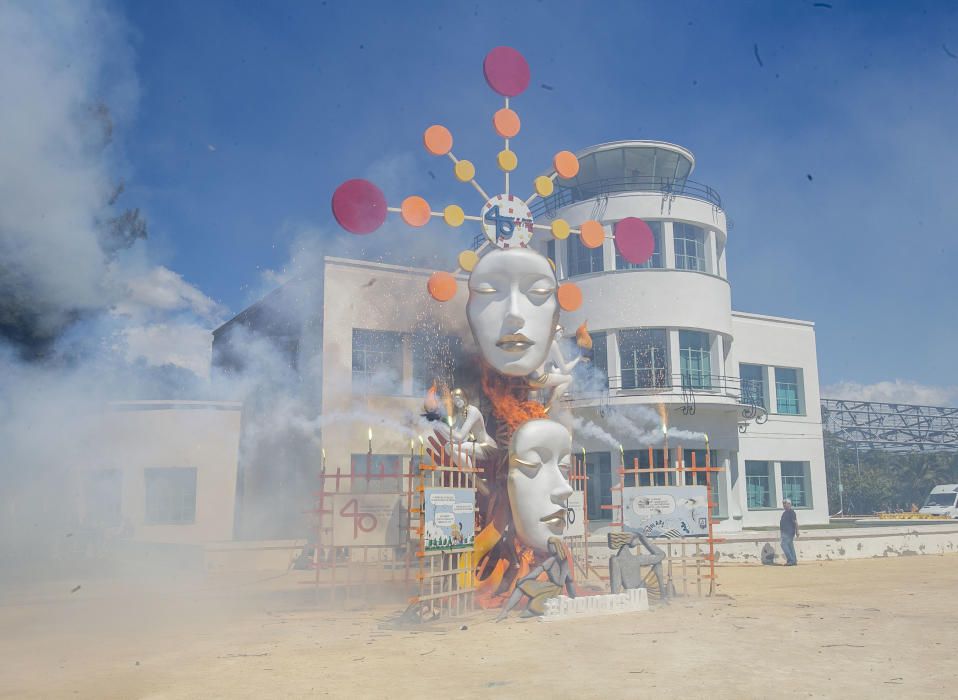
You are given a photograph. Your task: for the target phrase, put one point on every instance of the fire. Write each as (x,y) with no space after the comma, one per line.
(582,337)
(431,403)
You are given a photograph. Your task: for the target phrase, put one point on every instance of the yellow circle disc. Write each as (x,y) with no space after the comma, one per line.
(465,171)
(544,186)
(507,161)
(560,229)
(468,260)
(453,215)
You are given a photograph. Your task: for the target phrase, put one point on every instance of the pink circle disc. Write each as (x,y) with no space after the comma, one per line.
(359,206)
(506,71)
(634,240)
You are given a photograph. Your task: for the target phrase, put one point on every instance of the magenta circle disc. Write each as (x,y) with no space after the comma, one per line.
(506,71)
(359,206)
(634,240)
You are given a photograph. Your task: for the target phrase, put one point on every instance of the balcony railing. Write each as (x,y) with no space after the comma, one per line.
(690,386)
(582,191)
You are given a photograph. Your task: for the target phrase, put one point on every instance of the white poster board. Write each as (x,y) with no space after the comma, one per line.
(450,519)
(666,511)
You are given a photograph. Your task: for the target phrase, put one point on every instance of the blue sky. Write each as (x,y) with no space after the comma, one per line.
(249,115)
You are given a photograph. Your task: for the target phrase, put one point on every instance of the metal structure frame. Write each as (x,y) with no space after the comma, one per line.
(890,426)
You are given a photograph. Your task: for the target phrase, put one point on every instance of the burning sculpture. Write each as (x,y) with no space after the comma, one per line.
(513,311)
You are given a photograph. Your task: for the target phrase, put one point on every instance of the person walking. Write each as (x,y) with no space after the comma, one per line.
(788,527)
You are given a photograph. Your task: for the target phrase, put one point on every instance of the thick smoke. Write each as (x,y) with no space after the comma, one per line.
(85,316)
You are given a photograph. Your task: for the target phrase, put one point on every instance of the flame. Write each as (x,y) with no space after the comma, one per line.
(582,337)
(663,414)
(431,403)
(507,405)
(370,432)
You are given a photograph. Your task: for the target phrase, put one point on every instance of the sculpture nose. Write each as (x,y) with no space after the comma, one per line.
(561,493)
(514,310)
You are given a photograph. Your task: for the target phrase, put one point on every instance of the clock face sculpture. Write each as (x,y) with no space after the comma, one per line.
(507,222)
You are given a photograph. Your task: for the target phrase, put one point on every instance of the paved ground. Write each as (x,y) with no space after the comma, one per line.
(855,629)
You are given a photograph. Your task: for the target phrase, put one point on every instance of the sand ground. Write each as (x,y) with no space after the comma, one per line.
(855,629)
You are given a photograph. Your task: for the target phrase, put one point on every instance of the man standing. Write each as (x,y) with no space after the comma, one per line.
(788,526)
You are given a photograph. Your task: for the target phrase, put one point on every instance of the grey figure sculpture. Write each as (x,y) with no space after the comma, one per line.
(625,568)
(559,576)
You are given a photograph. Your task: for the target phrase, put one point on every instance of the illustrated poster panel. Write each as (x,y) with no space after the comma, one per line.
(367,519)
(575,515)
(450,519)
(666,511)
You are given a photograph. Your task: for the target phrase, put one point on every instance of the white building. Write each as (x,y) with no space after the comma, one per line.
(367,339)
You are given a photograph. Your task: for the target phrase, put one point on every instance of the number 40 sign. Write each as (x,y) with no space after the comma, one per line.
(367,519)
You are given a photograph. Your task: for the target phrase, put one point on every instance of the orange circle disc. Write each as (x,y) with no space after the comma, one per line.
(442,286)
(506,123)
(438,140)
(591,234)
(566,164)
(570,296)
(415,211)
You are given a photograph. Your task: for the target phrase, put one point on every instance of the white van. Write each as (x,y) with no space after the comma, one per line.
(943,500)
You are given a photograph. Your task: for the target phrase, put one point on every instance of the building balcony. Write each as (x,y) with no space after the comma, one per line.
(564,195)
(688,389)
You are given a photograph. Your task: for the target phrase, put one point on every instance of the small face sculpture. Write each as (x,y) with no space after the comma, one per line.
(539,459)
(513,309)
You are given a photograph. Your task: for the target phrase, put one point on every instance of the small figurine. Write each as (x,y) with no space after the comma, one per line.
(469,442)
(555,373)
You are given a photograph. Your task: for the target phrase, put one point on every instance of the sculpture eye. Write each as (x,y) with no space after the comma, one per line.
(485,289)
(523,463)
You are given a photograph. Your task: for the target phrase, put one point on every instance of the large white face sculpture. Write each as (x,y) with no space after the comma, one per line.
(539,458)
(513,309)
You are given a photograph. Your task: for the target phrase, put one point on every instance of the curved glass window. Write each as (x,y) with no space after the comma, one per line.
(689,247)
(581,260)
(696,359)
(644,356)
(657,259)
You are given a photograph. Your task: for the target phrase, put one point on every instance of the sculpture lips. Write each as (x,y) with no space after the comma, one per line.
(514,342)
(557,518)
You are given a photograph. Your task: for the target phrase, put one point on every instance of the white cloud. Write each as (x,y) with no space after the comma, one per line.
(161,289)
(185,345)
(896,391)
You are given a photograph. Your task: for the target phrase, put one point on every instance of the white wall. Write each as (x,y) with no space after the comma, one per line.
(771,342)
(135,436)
(377,297)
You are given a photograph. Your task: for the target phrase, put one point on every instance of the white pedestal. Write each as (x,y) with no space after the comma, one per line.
(565,608)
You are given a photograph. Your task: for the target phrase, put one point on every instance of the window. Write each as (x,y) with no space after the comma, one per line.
(689,247)
(795,484)
(644,355)
(758,484)
(377,473)
(786,391)
(377,362)
(753,385)
(695,358)
(648,478)
(654,262)
(102,498)
(170,495)
(592,377)
(433,356)
(598,469)
(581,260)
